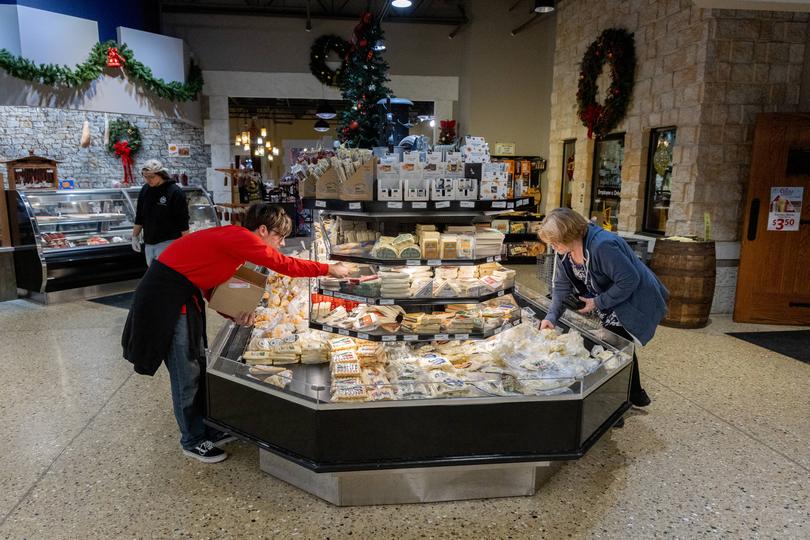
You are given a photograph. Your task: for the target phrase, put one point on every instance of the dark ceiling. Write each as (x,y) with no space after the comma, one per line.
(449,12)
(297,109)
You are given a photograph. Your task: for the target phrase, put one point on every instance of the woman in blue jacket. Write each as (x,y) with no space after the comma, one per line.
(603,271)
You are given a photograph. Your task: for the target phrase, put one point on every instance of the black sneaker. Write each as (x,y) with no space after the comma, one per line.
(206,452)
(221,438)
(640,398)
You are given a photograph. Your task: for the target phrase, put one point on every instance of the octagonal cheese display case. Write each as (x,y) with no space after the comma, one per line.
(414,382)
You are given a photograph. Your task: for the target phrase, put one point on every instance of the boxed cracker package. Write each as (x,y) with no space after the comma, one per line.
(242,292)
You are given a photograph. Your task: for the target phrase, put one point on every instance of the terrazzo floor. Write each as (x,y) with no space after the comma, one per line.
(90,451)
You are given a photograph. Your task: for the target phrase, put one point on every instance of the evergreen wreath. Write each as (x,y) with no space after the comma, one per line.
(615,46)
(93,67)
(318,54)
(120,131)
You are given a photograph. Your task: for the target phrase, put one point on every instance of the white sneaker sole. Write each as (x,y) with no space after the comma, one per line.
(215,459)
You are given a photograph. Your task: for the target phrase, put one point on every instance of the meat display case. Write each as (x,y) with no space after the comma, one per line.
(478,443)
(71,244)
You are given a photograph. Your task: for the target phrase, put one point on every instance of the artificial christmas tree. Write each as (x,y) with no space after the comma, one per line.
(447,132)
(363,85)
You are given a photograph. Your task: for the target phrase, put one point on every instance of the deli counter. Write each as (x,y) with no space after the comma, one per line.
(71,244)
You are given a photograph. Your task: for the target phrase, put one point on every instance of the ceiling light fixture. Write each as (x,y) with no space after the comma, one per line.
(544,6)
(321,126)
(308,27)
(401,3)
(433,123)
(275,150)
(264,132)
(325,111)
(246,148)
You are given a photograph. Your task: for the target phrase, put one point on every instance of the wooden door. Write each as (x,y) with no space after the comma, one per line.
(774,279)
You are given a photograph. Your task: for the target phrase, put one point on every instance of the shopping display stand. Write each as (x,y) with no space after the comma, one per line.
(420,450)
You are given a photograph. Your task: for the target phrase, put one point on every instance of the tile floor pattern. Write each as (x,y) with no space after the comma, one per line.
(90,450)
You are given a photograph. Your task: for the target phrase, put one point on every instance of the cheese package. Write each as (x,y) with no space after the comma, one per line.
(346,369)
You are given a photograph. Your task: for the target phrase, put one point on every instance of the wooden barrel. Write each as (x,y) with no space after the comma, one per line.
(688,270)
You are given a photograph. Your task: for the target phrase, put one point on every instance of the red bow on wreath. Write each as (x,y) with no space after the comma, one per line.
(590,116)
(114,58)
(447,124)
(122,149)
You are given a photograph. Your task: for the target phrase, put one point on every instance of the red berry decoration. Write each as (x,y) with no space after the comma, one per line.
(370,55)
(363,43)
(355,124)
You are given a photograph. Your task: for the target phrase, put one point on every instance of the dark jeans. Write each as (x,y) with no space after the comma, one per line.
(186,375)
(635,381)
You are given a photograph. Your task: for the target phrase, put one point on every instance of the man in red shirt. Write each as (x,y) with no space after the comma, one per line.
(167,319)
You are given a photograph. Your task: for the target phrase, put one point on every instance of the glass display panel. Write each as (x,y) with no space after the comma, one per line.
(659,177)
(569,155)
(607,181)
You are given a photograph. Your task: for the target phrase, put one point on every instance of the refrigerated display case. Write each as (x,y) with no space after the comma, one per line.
(71,244)
(481,428)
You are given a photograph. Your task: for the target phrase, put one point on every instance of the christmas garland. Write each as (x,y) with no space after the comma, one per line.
(93,67)
(320,52)
(616,47)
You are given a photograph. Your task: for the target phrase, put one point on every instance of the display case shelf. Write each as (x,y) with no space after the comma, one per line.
(520,237)
(407,337)
(432,301)
(413,262)
(437,208)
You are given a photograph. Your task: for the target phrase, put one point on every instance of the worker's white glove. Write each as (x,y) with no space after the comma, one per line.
(136,244)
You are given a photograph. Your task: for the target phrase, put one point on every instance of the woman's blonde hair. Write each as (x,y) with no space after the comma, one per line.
(563,226)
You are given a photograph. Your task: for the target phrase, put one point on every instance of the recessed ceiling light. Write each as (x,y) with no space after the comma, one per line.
(401,3)
(544,6)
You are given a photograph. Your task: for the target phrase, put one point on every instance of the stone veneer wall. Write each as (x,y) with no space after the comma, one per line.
(56,133)
(706,72)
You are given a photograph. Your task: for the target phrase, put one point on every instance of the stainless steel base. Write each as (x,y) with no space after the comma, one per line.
(400,486)
(80,293)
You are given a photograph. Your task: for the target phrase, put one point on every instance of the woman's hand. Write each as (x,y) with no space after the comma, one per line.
(590,305)
(246,318)
(545,323)
(339,270)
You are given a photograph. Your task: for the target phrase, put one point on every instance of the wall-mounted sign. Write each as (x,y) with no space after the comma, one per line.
(179,150)
(504,149)
(785,208)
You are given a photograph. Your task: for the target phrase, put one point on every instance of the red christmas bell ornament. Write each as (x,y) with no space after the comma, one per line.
(363,43)
(354,124)
(114,58)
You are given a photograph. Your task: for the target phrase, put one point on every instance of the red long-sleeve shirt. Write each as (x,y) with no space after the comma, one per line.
(211,256)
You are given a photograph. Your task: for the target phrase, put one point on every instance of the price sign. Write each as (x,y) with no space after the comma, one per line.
(785,210)
(361,335)
(320,204)
(434,262)
(355,206)
(343,332)
(327,328)
(498,204)
(467,204)
(442,337)
(411,338)
(418,205)
(510,205)
(386,301)
(500,293)
(462,336)
(327,293)
(443,204)
(389,338)
(394,205)
(412,262)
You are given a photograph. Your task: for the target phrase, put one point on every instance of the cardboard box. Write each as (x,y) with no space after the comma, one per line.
(360,185)
(241,293)
(328,185)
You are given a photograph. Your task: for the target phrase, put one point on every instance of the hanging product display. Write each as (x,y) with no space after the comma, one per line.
(616,47)
(107,54)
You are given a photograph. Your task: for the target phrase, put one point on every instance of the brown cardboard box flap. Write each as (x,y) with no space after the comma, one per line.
(241,293)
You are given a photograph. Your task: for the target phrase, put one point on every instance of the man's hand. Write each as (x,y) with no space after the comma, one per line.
(136,244)
(545,323)
(339,270)
(246,319)
(590,305)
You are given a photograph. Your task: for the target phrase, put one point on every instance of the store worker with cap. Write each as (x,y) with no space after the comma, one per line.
(166,322)
(161,213)
(601,269)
